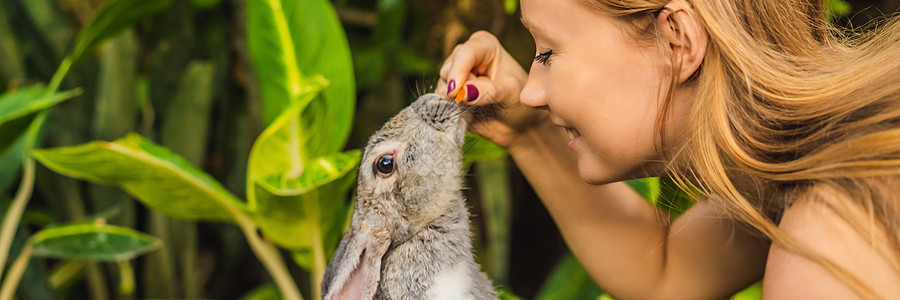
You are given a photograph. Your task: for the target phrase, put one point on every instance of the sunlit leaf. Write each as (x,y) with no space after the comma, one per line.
(289,40)
(92,241)
(298,198)
(150,173)
(316,173)
(648,188)
(510,6)
(19,108)
(672,199)
(664,193)
(753,292)
(296,222)
(112,19)
(478,148)
(279,148)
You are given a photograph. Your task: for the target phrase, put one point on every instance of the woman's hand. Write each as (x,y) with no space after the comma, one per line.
(480,72)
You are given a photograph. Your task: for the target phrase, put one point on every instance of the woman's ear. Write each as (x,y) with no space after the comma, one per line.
(684,34)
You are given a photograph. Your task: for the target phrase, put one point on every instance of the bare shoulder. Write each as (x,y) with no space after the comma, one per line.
(815,223)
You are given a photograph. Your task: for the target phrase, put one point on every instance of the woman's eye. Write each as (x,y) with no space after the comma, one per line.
(543,57)
(384,165)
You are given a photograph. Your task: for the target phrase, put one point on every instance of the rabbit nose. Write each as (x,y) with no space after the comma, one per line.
(437,111)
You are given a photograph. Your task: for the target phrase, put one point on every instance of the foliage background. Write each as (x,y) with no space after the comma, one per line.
(186,73)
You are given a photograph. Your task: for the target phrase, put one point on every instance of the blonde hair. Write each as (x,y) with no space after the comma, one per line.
(784,103)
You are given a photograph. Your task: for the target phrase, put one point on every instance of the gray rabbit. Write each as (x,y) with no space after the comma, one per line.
(409,237)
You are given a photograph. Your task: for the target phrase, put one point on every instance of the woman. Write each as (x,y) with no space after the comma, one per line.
(789,131)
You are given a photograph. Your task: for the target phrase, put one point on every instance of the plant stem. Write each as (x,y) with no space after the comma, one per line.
(59,75)
(14,214)
(318,271)
(270,258)
(63,275)
(15,274)
(126,278)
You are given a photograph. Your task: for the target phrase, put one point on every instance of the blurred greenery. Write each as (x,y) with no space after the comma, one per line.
(216,113)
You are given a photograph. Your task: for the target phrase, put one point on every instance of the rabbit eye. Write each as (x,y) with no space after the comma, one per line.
(384,165)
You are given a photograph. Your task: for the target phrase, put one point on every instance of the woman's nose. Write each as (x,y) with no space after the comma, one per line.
(533,95)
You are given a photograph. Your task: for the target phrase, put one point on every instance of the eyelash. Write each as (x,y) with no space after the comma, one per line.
(543,57)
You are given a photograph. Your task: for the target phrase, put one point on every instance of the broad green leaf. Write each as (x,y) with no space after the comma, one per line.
(316,173)
(672,199)
(279,148)
(648,188)
(19,108)
(477,148)
(753,292)
(568,280)
(664,193)
(293,195)
(150,173)
(92,241)
(111,19)
(290,40)
(296,222)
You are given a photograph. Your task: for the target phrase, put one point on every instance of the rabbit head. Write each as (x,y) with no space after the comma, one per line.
(410,174)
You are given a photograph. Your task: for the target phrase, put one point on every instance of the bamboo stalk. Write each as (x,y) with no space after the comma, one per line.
(16,209)
(15,274)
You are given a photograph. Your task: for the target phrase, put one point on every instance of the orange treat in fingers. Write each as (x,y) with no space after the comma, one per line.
(460,95)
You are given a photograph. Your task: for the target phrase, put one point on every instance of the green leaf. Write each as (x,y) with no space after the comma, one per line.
(568,280)
(836,8)
(290,40)
(266,291)
(92,241)
(295,196)
(510,6)
(19,108)
(648,188)
(318,172)
(664,193)
(150,173)
(504,293)
(279,148)
(294,200)
(112,19)
(753,292)
(672,199)
(478,148)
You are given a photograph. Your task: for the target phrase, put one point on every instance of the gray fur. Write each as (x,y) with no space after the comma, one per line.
(413,225)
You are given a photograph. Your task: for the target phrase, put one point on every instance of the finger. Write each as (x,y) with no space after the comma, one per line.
(441,87)
(475,54)
(478,91)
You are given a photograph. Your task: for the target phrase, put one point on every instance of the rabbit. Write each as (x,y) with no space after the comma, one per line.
(409,236)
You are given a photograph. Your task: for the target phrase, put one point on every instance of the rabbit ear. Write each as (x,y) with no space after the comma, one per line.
(355,270)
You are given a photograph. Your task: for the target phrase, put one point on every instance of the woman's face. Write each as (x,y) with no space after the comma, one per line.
(600,84)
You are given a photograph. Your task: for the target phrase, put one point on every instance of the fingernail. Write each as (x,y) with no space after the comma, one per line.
(471,92)
(451,86)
